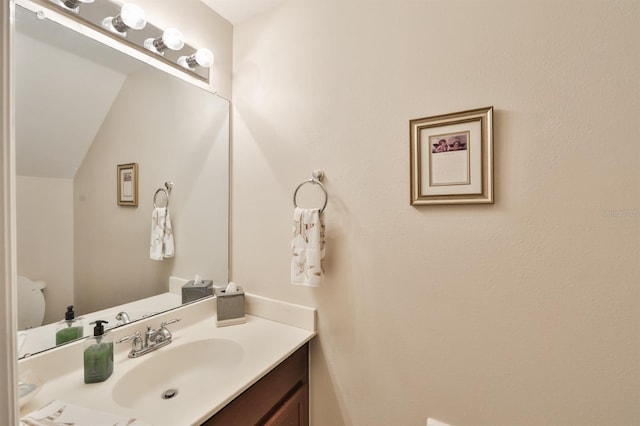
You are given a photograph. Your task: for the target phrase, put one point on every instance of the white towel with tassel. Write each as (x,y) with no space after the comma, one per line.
(161,234)
(307,247)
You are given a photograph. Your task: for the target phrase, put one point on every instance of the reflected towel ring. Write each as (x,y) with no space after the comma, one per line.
(317,177)
(166,190)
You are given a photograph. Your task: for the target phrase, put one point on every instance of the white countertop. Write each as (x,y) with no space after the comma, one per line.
(265,343)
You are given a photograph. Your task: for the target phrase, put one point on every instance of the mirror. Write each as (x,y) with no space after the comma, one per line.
(83,108)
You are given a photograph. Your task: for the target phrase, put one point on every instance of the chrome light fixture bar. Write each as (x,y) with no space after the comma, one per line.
(127,23)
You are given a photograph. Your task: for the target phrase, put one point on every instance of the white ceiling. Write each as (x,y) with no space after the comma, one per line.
(236,11)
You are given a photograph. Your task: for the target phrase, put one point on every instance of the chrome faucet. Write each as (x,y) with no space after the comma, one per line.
(153,339)
(150,337)
(124,317)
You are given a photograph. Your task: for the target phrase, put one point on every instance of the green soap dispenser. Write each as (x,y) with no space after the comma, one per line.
(71,328)
(98,355)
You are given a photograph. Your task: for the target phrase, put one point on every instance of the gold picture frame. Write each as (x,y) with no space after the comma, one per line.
(128,184)
(452,158)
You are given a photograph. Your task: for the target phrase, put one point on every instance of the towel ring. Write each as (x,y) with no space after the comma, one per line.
(166,190)
(317,177)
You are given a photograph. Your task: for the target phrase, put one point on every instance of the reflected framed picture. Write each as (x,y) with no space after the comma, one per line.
(128,184)
(452,158)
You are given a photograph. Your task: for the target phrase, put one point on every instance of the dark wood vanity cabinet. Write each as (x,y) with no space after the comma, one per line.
(281,398)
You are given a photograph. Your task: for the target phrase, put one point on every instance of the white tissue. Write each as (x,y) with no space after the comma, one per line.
(434,422)
(231,288)
(197,280)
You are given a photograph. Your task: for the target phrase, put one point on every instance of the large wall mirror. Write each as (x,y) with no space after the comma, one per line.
(83,108)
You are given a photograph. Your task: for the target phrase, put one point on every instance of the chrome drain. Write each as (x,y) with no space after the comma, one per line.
(169,393)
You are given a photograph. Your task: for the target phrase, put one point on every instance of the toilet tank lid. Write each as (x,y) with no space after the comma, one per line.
(36,285)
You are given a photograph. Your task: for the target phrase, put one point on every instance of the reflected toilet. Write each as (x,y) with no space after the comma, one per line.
(31,303)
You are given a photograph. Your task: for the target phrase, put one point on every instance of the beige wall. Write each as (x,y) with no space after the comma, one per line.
(175,132)
(525,312)
(44,213)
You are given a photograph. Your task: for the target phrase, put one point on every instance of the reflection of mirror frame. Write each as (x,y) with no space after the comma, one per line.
(128,193)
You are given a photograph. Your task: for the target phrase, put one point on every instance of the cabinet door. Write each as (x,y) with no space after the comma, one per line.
(294,412)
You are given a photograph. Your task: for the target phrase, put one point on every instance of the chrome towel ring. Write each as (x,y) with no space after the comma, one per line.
(317,176)
(167,191)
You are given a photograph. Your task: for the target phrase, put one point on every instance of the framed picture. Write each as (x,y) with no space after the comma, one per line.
(128,184)
(452,158)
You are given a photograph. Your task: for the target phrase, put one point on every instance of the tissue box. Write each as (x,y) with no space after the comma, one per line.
(191,292)
(230,307)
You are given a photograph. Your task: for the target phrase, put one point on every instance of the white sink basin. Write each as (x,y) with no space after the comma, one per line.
(177,376)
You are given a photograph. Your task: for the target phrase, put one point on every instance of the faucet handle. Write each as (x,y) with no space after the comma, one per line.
(164,333)
(137,341)
(129,337)
(166,323)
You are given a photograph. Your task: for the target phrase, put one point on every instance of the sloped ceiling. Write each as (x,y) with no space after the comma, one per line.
(64,86)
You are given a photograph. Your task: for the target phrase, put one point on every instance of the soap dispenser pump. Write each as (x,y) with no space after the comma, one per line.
(98,355)
(70,328)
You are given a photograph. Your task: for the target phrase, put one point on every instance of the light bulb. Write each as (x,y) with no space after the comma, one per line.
(73,4)
(133,16)
(202,57)
(130,16)
(170,39)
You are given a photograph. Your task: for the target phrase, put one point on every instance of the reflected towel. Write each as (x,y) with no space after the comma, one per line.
(61,413)
(161,234)
(307,247)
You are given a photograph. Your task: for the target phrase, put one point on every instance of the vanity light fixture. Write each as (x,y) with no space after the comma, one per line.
(203,57)
(115,19)
(170,39)
(131,16)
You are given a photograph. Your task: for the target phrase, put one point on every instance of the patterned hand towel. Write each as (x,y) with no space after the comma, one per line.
(307,247)
(161,234)
(61,413)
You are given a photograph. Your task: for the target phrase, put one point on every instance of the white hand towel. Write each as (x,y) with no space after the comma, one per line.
(161,234)
(167,240)
(61,413)
(307,247)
